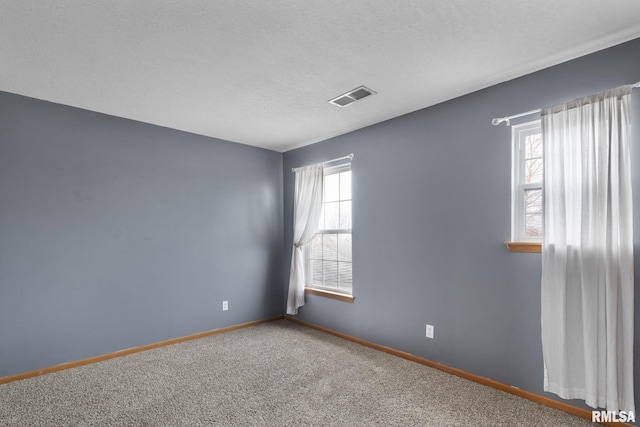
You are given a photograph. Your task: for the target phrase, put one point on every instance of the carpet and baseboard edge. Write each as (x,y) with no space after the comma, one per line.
(542,400)
(579,412)
(119,353)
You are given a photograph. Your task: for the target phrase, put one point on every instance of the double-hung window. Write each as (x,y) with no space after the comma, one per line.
(527,173)
(329,255)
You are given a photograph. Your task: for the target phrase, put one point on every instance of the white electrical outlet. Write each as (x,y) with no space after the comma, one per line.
(429,331)
(225,305)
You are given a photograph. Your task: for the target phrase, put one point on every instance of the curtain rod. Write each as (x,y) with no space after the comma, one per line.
(507,119)
(350,157)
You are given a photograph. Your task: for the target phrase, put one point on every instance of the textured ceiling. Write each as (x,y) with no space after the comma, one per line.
(261,72)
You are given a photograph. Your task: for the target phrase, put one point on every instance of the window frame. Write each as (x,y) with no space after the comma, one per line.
(519,133)
(316,289)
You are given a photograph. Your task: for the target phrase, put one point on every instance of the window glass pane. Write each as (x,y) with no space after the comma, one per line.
(345,215)
(533,201)
(316,247)
(533,145)
(321,221)
(332,188)
(330,247)
(330,273)
(344,275)
(533,170)
(344,247)
(527,193)
(345,185)
(316,271)
(332,216)
(533,225)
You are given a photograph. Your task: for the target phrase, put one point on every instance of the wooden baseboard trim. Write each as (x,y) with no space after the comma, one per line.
(565,407)
(95,359)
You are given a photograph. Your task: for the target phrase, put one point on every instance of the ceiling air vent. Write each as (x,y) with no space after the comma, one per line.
(352,96)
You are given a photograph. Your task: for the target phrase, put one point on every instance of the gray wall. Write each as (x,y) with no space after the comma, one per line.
(115,234)
(431,209)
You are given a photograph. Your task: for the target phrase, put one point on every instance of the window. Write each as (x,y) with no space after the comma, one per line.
(329,256)
(527,172)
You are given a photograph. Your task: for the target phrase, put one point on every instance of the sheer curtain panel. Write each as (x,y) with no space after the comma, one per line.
(307,206)
(587,251)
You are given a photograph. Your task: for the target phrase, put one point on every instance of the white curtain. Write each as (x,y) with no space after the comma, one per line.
(307,207)
(587,251)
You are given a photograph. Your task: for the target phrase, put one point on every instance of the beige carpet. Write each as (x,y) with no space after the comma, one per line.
(273,374)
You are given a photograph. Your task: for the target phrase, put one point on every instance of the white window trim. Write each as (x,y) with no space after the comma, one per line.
(518,187)
(330,170)
(307,250)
